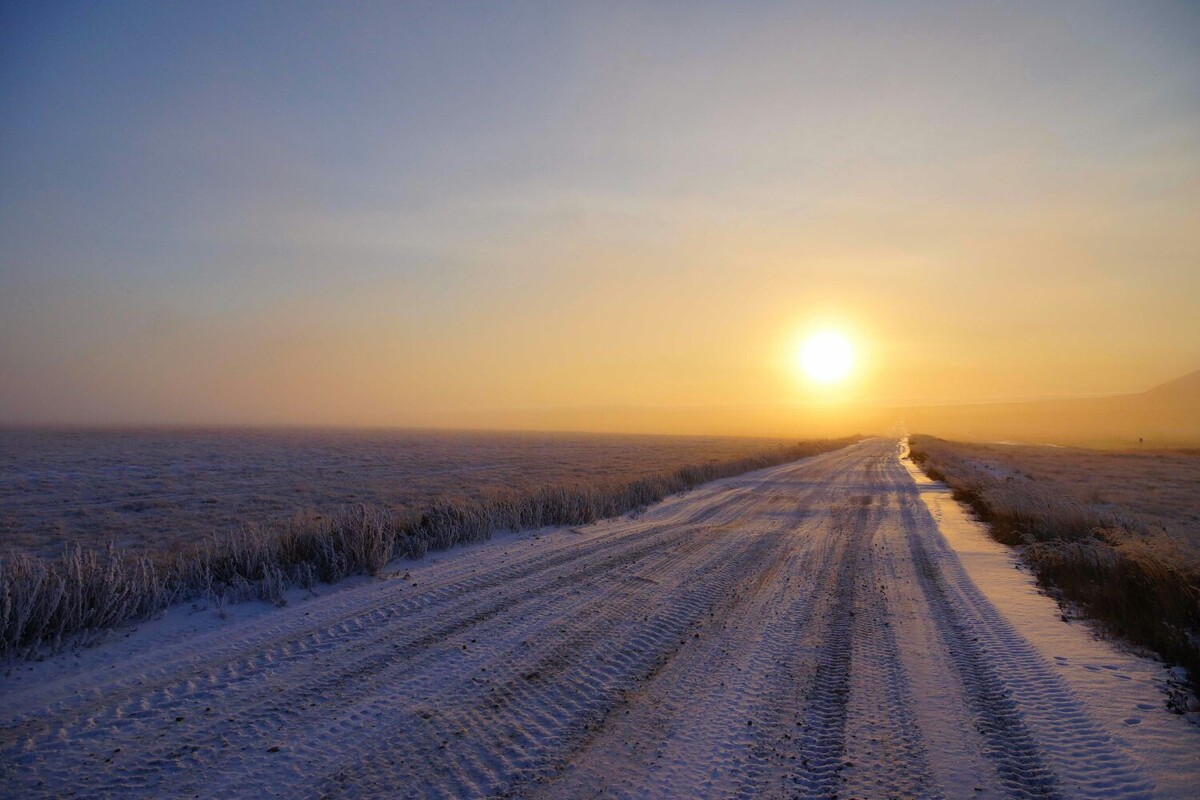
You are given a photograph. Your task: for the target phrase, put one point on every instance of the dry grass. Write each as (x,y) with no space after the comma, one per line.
(1155,490)
(46,602)
(1128,575)
(86,590)
(153,490)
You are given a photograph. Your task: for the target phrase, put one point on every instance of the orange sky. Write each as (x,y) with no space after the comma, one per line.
(426,216)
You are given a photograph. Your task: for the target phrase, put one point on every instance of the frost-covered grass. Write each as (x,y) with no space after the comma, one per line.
(153,490)
(1157,489)
(45,602)
(1131,575)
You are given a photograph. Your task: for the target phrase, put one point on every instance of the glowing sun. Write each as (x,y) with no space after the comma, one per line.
(827,357)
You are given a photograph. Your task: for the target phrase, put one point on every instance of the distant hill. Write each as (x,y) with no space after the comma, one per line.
(1182,390)
(1167,415)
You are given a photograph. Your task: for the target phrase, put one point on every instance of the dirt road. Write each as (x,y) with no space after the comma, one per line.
(803,631)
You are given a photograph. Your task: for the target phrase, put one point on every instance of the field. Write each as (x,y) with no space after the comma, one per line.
(1155,491)
(153,490)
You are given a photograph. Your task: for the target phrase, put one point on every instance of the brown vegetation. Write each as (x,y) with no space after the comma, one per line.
(44,603)
(1134,580)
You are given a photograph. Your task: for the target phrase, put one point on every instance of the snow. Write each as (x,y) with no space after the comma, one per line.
(806,630)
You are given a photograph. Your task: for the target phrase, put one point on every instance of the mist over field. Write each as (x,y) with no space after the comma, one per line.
(1167,416)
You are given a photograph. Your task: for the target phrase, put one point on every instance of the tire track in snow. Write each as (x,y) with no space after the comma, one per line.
(821,743)
(887,755)
(342,631)
(661,737)
(1014,693)
(599,670)
(361,670)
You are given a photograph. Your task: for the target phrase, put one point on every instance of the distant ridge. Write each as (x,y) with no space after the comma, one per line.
(1166,415)
(1186,389)
(1163,416)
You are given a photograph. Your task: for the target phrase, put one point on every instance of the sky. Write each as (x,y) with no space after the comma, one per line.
(476,213)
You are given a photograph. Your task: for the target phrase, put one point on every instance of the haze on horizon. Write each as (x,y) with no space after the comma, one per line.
(482,215)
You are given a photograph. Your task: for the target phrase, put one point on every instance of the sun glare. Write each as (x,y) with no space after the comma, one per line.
(827,357)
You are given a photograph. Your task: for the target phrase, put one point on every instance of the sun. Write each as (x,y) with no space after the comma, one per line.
(827,357)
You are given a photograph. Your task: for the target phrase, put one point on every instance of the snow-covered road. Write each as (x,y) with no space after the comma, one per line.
(802,631)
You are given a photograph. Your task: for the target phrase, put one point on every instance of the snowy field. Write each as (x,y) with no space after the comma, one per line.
(153,489)
(1160,489)
(834,627)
